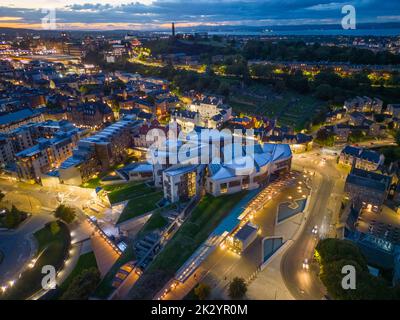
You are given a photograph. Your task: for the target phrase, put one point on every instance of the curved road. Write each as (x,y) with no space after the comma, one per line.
(325,202)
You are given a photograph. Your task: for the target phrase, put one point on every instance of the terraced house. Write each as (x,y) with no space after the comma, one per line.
(99,152)
(361,158)
(46,155)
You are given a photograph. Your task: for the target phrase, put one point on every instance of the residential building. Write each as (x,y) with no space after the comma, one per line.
(140,140)
(364,104)
(28,135)
(183,182)
(212,111)
(6,150)
(367,188)
(186,119)
(46,155)
(93,115)
(99,152)
(13,120)
(361,158)
(394,110)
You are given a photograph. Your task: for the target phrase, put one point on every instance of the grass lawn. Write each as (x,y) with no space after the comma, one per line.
(156,221)
(95,182)
(92,183)
(85,261)
(140,205)
(128,191)
(53,250)
(290,108)
(105,287)
(204,219)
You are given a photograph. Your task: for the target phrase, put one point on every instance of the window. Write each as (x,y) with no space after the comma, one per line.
(223,188)
(234,184)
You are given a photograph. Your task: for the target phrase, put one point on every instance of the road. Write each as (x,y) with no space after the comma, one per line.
(35,199)
(323,210)
(16,246)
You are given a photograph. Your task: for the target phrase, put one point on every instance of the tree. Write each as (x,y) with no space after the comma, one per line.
(65,213)
(83,285)
(397,137)
(14,217)
(325,138)
(202,291)
(333,255)
(54,227)
(324,92)
(237,288)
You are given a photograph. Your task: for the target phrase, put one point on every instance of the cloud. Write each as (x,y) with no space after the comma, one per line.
(153,14)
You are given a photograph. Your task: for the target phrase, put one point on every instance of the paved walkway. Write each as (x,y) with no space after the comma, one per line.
(269,284)
(105,255)
(17,245)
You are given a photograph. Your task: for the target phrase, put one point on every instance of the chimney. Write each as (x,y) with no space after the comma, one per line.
(173,30)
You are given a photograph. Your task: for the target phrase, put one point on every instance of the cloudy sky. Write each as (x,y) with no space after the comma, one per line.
(158,14)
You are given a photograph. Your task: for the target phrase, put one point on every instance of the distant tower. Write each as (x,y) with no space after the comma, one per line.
(173,30)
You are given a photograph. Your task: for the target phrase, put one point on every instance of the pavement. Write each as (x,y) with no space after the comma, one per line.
(37,199)
(222,265)
(17,246)
(105,255)
(323,210)
(269,284)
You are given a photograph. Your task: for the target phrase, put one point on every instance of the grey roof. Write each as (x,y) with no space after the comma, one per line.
(369,155)
(246,231)
(353,151)
(369,179)
(19,115)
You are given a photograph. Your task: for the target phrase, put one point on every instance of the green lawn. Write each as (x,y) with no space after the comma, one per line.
(92,183)
(53,250)
(140,205)
(204,219)
(289,108)
(156,221)
(128,191)
(85,261)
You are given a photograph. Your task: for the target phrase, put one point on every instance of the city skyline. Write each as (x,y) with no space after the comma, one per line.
(157,14)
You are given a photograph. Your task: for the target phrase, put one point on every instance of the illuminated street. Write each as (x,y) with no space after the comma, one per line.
(325,203)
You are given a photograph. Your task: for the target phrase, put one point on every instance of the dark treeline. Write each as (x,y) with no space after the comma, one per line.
(225,77)
(299,51)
